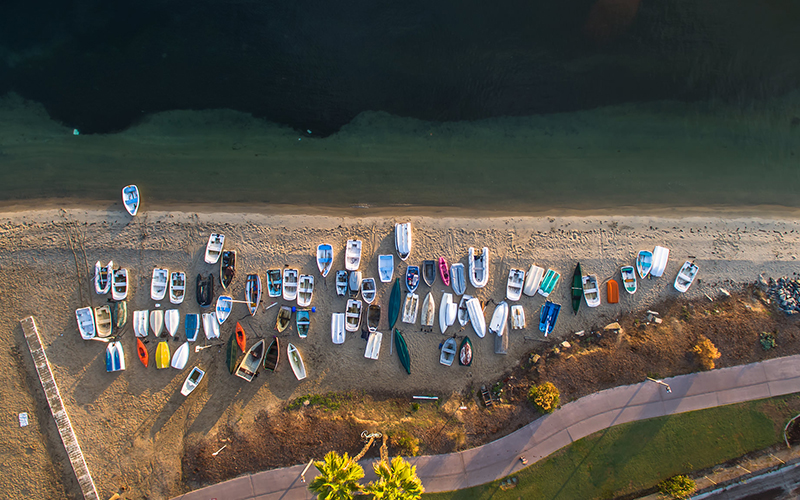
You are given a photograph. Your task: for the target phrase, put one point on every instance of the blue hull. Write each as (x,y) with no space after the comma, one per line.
(192,326)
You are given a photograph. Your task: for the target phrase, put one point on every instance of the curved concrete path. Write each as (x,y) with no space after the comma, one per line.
(544,436)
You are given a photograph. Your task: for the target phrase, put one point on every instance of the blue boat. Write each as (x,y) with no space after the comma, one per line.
(115,357)
(192,325)
(548,317)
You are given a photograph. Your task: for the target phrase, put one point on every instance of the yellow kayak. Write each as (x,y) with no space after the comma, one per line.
(162,355)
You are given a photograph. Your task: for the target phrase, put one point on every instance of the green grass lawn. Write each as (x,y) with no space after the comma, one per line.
(635,456)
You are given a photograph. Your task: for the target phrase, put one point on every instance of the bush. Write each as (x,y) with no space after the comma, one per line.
(545,397)
(677,487)
(706,352)
(405,443)
(767,341)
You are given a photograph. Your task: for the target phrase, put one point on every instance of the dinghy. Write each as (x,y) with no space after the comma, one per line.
(115,357)
(192,381)
(119,284)
(532,280)
(465,352)
(444,271)
(210,326)
(158,284)
(141,351)
(479,267)
(102,321)
(548,283)
(177,287)
(181,357)
(385,268)
(458,279)
(628,279)
(272,355)
(341,283)
(373,317)
(337,328)
(290,283)
(252,292)
(241,337)
(352,255)
(368,289)
(429,272)
(501,341)
(402,350)
(394,303)
(223,310)
(86,327)
(305,290)
(448,352)
(463,312)
(660,258)
(428,310)
(251,362)
(644,262)
(411,308)
(516,278)
(517,318)
(157,322)
(373,349)
(227,268)
(686,276)
(191,326)
(353,284)
(324,259)
(402,240)
(274,282)
(214,247)
(352,315)
(140,323)
(130,199)
(298,367)
(499,319)
(119,313)
(205,290)
(476,317)
(302,319)
(548,317)
(232,354)
(102,277)
(172,319)
(162,355)
(612,291)
(284,318)
(591,291)
(447,299)
(412,278)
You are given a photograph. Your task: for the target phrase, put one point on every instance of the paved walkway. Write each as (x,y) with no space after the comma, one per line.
(544,436)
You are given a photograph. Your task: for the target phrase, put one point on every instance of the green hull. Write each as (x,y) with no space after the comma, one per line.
(468,344)
(577,288)
(232,354)
(402,350)
(120,313)
(394,304)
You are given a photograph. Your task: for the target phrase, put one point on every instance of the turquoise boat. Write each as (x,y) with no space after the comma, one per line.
(548,282)
(402,350)
(394,303)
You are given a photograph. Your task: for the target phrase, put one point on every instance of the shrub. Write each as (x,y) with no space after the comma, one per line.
(405,443)
(767,341)
(545,397)
(677,487)
(706,353)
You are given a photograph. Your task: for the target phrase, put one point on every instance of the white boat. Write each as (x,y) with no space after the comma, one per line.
(115,357)
(448,353)
(274,282)
(352,255)
(248,368)
(447,299)
(130,199)
(385,268)
(157,321)
(210,326)
(402,240)
(158,285)
(181,357)
(452,313)
(296,361)
(337,328)
(177,287)
(214,247)
(140,319)
(479,267)
(428,310)
(591,292)
(290,280)
(324,259)
(517,317)
(476,317)
(373,349)
(119,284)
(411,308)
(354,284)
(102,277)
(352,315)
(341,283)
(532,280)
(305,290)
(223,309)
(686,276)
(501,341)
(368,290)
(499,319)
(628,279)
(660,258)
(172,319)
(252,292)
(516,278)
(458,279)
(102,321)
(463,312)
(85,318)
(192,381)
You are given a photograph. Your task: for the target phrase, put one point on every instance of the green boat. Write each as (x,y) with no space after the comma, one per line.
(577,288)
(394,303)
(465,352)
(120,313)
(233,354)
(402,350)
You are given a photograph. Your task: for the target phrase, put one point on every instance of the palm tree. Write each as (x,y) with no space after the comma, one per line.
(396,481)
(338,477)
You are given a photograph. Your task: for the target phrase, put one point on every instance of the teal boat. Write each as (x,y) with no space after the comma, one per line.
(548,283)
(394,303)
(577,288)
(402,350)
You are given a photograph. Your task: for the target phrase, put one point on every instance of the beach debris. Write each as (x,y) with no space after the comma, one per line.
(708,297)
(616,327)
(76,132)
(724,292)
(658,321)
(219,450)
(487,396)
(23,419)
(565,345)
(580,333)
(786,292)
(426,398)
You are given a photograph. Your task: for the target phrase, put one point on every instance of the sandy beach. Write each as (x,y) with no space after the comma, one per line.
(133,426)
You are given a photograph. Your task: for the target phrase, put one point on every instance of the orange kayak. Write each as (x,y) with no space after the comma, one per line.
(144,356)
(613,291)
(241,338)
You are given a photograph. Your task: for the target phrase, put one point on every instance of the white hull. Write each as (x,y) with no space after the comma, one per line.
(85,318)
(296,361)
(352,255)
(373,349)
(158,284)
(337,328)
(517,318)
(457,279)
(628,279)
(119,284)
(341,283)
(305,290)
(448,353)
(516,278)
(479,267)
(223,309)
(463,312)
(532,280)
(476,317)
(354,283)
(591,292)
(157,321)
(115,357)
(102,277)
(447,299)
(428,310)
(140,323)
(130,199)
(402,240)
(368,290)
(324,259)
(686,276)
(499,319)
(192,381)
(385,268)
(252,287)
(210,326)
(177,288)
(352,315)
(660,258)
(411,308)
(102,320)
(214,248)
(172,319)
(181,357)
(290,283)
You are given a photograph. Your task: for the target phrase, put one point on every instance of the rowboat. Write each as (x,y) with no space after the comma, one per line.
(402,350)
(499,319)
(227,268)
(141,351)
(338,334)
(532,280)
(429,272)
(373,317)
(368,290)
(476,317)
(644,262)
(191,326)
(119,313)
(412,278)
(232,354)
(394,303)
(385,268)
(298,367)
(86,327)
(352,314)
(324,259)
(172,319)
(214,247)
(192,381)
(102,277)
(158,284)
(465,352)
(428,310)
(479,267)
(660,258)
(353,284)
(501,340)
(290,277)
(352,255)
(274,282)
(686,276)
(157,322)
(272,355)
(241,337)
(140,323)
(177,287)
(516,278)
(612,291)
(373,349)
(252,292)
(448,353)
(181,357)
(130,199)
(444,271)
(162,355)
(447,299)
(223,310)
(411,308)
(577,288)
(548,317)
(341,283)
(284,318)
(115,357)
(205,289)
(590,290)
(102,320)
(463,312)
(548,283)
(210,326)
(458,279)
(517,317)
(402,240)
(305,290)
(119,284)
(251,362)
(302,320)
(628,279)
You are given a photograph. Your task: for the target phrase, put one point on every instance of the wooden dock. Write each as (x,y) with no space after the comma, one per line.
(57,408)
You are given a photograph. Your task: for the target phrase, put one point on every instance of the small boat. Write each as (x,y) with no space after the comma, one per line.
(516,278)
(162,355)
(402,240)
(476,317)
(353,284)
(686,276)
(102,277)
(448,352)
(241,337)
(429,272)
(214,247)
(324,259)
(368,290)
(499,319)
(337,328)
(532,280)
(591,291)
(102,321)
(517,318)
(341,283)
(227,268)
(290,282)
(86,327)
(191,325)
(385,268)
(548,317)
(577,288)
(465,352)
(205,290)
(251,362)
(119,312)
(302,319)
(411,308)
(157,322)
(644,262)
(140,323)
(141,350)
(298,367)
(458,279)
(172,319)
(428,310)
(373,317)
(447,299)
(115,357)
(158,284)
(192,381)
(272,355)
(181,357)
(628,279)
(660,258)
(130,199)
(373,349)
(612,291)
(252,292)
(305,290)
(284,318)
(402,350)
(119,284)
(352,255)
(352,315)
(274,282)
(412,278)
(548,283)
(444,271)
(463,312)
(501,342)
(210,326)
(232,354)
(479,267)
(394,303)
(223,310)
(177,287)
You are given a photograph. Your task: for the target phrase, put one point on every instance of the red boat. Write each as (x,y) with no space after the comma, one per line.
(444,271)
(144,356)
(241,338)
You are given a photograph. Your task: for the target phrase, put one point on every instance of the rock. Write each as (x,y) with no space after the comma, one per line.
(659,321)
(762,283)
(613,326)
(566,345)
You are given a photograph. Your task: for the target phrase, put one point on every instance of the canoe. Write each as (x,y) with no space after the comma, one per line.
(157,322)
(130,199)
(214,247)
(548,283)
(252,292)
(284,318)
(476,317)
(119,313)
(141,351)
(337,328)
(205,290)
(644,262)
(192,381)
(499,319)
(232,354)
(241,337)
(172,319)
(448,353)
(686,276)
(444,271)
(628,278)
(158,284)
(352,255)
(411,308)
(272,355)
(341,282)
(368,289)
(533,279)
(479,267)
(324,259)
(115,357)
(463,312)
(162,355)
(458,279)
(119,284)
(102,321)
(402,350)
(548,317)
(290,283)
(501,341)
(465,352)
(517,317)
(373,317)
(302,319)
(177,287)
(227,268)
(140,319)
(577,288)
(223,309)
(385,268)
(251,362)
(660,258)
(402,240)
(591,291)
(373,349)
(274,282)
(394,303)
(516,279)
(412,278)
(305,290)
(447,299)
(429,272)
(428,310)
(353,284)
(191,326)
(612,291)
(102,277)
(181,357)
(85,317)
(296,361)
(210,326)
(352,315)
